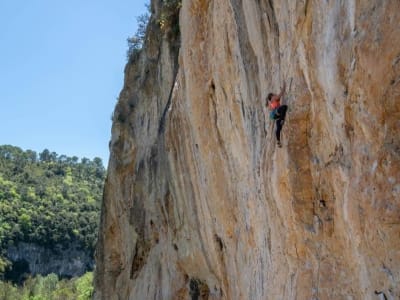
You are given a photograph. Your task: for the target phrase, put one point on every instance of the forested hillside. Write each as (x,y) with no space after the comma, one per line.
(48,199)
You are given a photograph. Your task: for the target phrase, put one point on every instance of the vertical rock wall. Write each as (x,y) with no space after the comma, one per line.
(200,203)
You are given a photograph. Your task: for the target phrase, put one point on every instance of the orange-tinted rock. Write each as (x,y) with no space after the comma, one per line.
(200,203)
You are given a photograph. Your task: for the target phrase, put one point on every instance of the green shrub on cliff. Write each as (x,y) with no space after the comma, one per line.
(135,42)
(167,20)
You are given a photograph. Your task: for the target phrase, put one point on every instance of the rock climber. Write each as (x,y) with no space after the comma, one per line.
(277,111)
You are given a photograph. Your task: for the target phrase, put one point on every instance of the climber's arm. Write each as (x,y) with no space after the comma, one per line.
(282,90)
(282,93)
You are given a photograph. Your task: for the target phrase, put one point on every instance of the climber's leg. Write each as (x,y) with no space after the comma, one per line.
(279,122)
(282,111)
(279,125)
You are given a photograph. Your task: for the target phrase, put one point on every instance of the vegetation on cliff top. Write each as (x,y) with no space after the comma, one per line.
(135,42)
(48,199)
(167,20)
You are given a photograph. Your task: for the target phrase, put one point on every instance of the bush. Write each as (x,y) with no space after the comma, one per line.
(136,42)
(169,19)
(48,288)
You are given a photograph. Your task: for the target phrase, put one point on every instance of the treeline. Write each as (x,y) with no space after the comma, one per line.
(49,287)
(48,199)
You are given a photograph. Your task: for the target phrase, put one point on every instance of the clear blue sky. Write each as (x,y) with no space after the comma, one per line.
(61,70)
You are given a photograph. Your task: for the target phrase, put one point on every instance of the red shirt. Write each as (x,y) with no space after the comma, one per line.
(274,103)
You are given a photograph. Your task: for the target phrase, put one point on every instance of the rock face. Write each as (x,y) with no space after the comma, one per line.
(34,259)
(200,203)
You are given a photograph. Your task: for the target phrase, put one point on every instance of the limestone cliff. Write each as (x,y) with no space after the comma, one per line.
(200,203)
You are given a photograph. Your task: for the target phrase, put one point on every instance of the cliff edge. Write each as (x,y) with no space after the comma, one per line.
(200,203)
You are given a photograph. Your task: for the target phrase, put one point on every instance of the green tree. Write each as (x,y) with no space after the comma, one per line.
(25,222)
(136,42)
(44,200)
(45,155)
(49,287)
(84,286)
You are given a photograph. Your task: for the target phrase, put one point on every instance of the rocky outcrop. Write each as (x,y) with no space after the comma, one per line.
(31,259)
(200,203)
